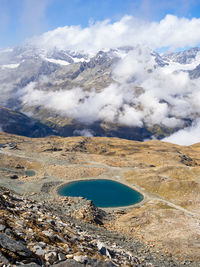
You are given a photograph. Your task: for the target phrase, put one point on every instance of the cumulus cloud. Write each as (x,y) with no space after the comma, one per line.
(110,105)
(140,95)
(172,32)
(187,136)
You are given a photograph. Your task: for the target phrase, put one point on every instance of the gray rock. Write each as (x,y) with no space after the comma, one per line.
(14,246)
(31,264)
(61,256)
(81,259)
(51,221)
(58,238)
(90,263)
(104,250)
(51,257)
(8,232)
(42,244)
(68,263)
(46,187)
(38,250)
(98,263)
(2,227)
(3,259)
(50,234)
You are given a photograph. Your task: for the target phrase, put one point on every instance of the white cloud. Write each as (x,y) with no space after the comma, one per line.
(140,94)
(170,32)
(134,65)
(187,136)
(84,132)
(131,117)
(87,107)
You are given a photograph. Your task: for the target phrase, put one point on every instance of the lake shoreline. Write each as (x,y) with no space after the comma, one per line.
(118,192)
(133,187)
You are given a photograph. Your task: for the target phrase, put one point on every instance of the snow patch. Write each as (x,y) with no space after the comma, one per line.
(57,61)
(175,66)
(77,60)
(10,66)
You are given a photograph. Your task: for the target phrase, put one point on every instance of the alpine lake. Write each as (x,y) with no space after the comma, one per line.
(104,193)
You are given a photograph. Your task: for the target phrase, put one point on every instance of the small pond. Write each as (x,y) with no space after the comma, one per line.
(104,193)
(30,173)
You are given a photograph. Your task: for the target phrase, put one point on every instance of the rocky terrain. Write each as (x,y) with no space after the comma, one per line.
(46,229)
(31,234)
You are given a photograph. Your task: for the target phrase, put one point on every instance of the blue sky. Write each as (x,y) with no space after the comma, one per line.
(21,19)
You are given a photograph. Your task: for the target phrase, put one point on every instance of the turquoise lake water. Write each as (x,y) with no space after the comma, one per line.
(104,193)
(30,173)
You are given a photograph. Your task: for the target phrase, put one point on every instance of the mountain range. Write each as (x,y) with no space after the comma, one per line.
(58,91)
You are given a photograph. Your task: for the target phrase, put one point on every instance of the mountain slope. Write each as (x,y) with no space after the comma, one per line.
(18,123)
(129,92)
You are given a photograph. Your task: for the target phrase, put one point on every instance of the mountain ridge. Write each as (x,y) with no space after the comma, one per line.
(24,69)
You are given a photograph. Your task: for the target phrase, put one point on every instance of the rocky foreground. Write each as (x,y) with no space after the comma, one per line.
(40,228)
(32,234)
